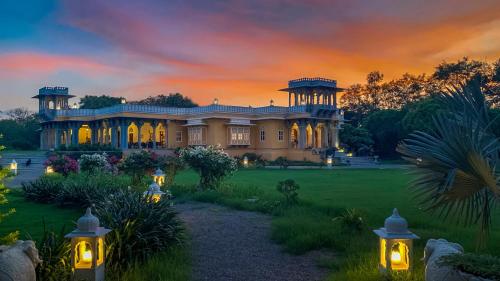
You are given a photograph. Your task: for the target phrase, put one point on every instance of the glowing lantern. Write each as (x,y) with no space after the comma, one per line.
(13,167)
(87,248)
(123,101)
(49,170)
(154,192)
(271,103)
(340,150)
(329,161)
(159,177)
(245,162)
(396,244)
(349,154)
(216,101)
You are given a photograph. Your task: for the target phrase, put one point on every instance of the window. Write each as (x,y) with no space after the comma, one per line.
(239,136)
(195,136)
(281,135)
(262,135)
(178,136)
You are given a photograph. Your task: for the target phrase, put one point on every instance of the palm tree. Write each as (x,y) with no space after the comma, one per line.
(456,163)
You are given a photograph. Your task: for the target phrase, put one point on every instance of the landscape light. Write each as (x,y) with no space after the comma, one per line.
(13,167)
(87,248)
(396,243)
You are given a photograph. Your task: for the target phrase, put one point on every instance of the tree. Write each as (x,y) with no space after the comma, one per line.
(20,114)
(456,162)
(139,164)
(211,163)
(356,138)
(95,102)
(419,115)
(21,130)
(172,100)
(397,93)
(385,128)
(11,237)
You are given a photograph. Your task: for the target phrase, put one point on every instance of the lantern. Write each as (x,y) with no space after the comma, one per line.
(159,177)
(13,167)
(349,154)
(245,162)
(271,103)
(395,244)
(329,161)
(340,150)
(123,101)
(87,248)
(216,101)
(154,192)
(49,170)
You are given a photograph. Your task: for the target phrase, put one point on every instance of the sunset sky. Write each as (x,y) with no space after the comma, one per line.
(238,51)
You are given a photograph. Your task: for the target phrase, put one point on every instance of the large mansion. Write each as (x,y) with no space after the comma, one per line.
(301,131)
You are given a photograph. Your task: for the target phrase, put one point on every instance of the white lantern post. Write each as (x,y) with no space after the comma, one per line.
(87,249)
(396,244)
(154,192)
(159,177)
(329,162)
(13,167)
(49,170)
(245,162)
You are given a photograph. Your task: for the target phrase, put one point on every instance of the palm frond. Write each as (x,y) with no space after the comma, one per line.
(456,163)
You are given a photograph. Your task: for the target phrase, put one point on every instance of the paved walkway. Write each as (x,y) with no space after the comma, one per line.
(25,173)
(231,245)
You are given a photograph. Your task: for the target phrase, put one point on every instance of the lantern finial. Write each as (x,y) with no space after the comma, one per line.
(88,222)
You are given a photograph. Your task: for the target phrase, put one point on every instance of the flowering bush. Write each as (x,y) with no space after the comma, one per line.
(62,164)
(92,163)
(138,164)
(212,163)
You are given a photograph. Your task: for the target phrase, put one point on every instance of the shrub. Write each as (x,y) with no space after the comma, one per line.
(351,221)
(44,189)
(282,162)
(212,163)
(92,163)
(62,164)
(138,164)
(485,266)
(140,228)
(81,190)
(54,251)
(289,189)
(171,165)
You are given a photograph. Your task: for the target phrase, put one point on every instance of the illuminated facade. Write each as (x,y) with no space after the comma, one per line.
(302,130)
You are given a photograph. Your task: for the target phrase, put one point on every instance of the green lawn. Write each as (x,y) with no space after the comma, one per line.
(30,217)
(324,194)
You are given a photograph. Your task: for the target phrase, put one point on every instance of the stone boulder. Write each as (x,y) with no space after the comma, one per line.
(18,261)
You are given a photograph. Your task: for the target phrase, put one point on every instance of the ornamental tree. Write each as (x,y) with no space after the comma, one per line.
(62,164)
(138,164)
(93,163)
(211,163)
(11,237)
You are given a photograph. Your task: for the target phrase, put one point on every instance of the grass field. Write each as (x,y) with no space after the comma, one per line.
(324,195)
(30,217)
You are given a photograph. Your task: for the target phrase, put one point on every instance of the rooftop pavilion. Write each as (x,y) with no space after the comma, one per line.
(313,92)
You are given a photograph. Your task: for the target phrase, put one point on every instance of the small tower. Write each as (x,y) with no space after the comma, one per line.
(313,92)
(52,98)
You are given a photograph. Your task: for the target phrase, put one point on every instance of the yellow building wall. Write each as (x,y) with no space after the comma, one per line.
(172,129)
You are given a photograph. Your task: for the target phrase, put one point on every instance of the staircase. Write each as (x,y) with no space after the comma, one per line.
(24,174)
(360,161)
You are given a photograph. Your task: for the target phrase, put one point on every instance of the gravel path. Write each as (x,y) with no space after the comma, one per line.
(235,245)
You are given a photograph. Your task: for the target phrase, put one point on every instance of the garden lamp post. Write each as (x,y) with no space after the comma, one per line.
(245,162)
(329,161)
(87,248)
(49,170)
(159,177)
(154,192)
(13,167)
(396,244)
